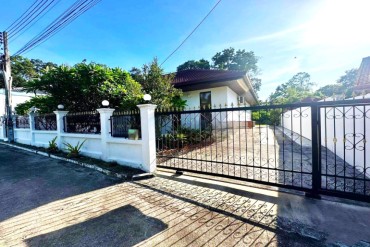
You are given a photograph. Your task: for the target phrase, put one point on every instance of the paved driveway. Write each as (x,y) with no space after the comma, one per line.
(45,202)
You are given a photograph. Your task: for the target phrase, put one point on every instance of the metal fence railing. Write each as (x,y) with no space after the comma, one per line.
(22,122)
(82,122)
(124,121)
(319,147)
(45,122)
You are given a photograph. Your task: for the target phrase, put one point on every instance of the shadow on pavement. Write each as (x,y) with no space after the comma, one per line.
(125,226)
(28,181)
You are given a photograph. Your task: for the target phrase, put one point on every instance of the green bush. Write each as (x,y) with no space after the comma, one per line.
(53,147)
(74,151)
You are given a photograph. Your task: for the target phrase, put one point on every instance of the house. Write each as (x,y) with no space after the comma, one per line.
(18,96)
(217,88)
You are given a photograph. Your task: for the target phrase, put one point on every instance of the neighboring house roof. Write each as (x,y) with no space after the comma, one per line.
(363,76)
(197,79)
(201,76)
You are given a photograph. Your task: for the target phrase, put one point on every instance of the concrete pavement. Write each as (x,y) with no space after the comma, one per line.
(46,202)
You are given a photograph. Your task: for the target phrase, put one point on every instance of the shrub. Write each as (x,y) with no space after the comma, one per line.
(74,151)
(53,147)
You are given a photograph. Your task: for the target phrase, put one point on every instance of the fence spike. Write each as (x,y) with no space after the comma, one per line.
(353,94)
(232,104)
(220,106)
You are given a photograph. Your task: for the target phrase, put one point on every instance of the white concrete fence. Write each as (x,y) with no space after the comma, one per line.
(338,124)
(134,153)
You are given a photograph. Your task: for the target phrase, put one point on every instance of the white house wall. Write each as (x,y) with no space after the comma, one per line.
(17,98)
(220,96)
(336,137)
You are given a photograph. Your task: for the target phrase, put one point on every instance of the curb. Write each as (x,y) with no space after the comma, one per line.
(83,164)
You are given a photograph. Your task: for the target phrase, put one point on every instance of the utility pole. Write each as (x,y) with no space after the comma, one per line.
(6,70)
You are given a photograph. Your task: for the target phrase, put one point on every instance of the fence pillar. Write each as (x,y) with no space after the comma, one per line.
(148,136)
(316,149)
(32,126)
(105,115)
(60,126)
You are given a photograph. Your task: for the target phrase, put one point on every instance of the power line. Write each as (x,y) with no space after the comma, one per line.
(62,26)
(27,17)
(73,12)
(200,23)
(58,25)
(53,26)
(46,10)
(7,29)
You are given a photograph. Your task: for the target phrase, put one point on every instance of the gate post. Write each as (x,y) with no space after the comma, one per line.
(60,126)
(147,119)
(316,152)
(105,129)
(31,121)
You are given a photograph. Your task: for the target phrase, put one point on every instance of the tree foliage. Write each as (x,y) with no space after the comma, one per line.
(192,64)
(83,87)
(24,70)
(297,88)
(158,85)
(229,59)
(343,86)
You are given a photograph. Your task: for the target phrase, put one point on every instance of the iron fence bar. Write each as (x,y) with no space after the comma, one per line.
(230,164)
(364,115)
(194,151)
(242,179)
(316,159)
(286,106)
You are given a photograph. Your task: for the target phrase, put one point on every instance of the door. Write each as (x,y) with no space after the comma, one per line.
(205,117)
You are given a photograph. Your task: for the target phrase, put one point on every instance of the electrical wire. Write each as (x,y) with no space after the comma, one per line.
(27,17)
(59,25)
(31,23)
(191,33)
(73,12)
(54,25)
(65,24)
(7,29)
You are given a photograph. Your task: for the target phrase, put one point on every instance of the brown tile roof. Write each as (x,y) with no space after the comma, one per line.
(363,75)
(195,76)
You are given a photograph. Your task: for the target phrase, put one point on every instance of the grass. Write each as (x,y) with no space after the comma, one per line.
(111,166)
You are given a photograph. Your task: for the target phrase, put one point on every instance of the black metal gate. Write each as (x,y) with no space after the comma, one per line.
(280,145)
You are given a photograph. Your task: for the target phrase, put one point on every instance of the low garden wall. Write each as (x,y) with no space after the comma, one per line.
(134,153)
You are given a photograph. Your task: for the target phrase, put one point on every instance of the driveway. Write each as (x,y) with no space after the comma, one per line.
(46,202)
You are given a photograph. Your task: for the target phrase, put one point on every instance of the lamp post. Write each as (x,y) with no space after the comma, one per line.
(147,97)
(105,103)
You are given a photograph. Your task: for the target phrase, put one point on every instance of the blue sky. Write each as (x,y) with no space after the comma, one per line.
(323,38)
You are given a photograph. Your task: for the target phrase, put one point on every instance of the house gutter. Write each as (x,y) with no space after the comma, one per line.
(250,87)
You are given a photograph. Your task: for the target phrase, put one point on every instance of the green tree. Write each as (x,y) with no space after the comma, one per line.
(158,85)
(24,70)
(229,59)
(192,64)
(348,80)
(83,87)
(297,88)
(344,85)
